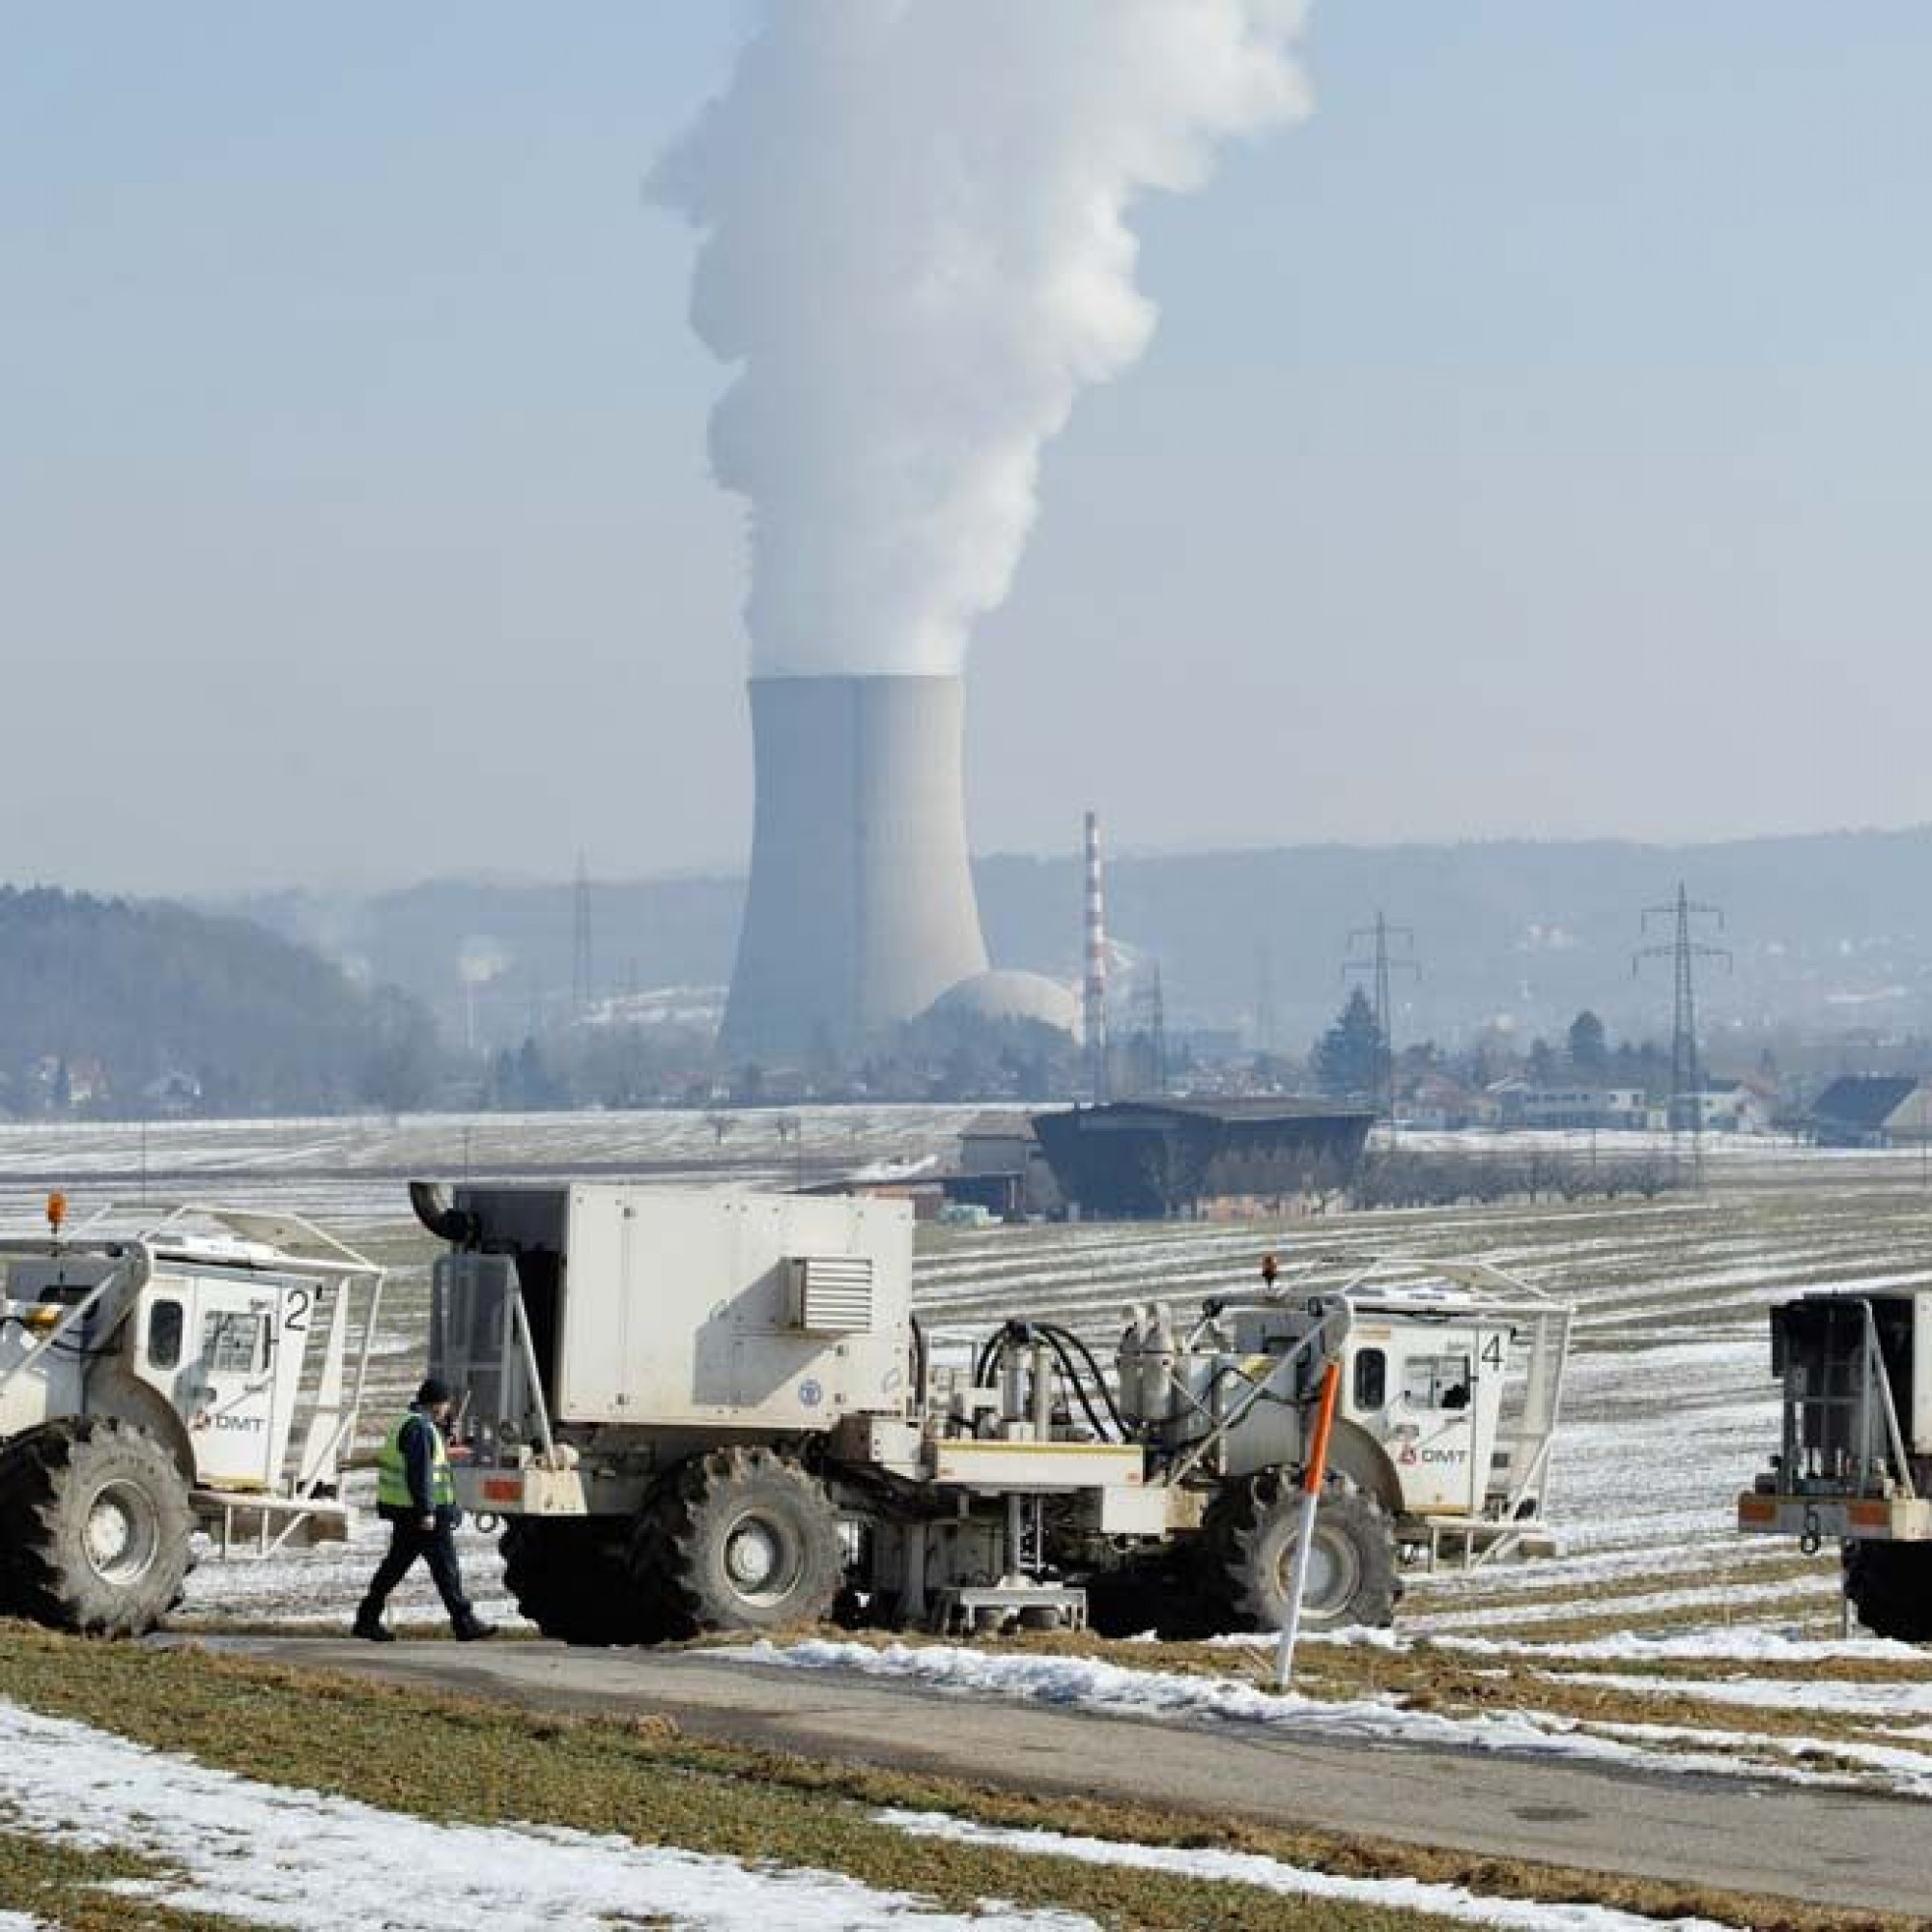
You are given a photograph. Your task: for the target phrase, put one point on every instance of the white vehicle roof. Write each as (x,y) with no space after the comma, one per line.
(1407,1285)
(207,1236)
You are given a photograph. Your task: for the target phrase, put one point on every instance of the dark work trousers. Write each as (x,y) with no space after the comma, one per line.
(437,1548)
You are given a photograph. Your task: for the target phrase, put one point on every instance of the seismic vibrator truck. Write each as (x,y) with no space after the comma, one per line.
(706,1410)
(1855,1466)
(203,1372)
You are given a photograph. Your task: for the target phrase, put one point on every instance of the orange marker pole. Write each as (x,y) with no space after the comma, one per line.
(1304,1542)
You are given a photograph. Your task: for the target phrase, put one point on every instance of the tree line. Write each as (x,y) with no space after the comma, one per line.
(120,1009)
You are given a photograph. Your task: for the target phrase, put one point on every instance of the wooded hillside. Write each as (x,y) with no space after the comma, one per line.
(120,1008)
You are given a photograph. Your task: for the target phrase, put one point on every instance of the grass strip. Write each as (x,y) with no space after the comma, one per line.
(453,1758)
(75,1887)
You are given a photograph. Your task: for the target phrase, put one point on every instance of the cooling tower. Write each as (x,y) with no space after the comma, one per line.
(861,910)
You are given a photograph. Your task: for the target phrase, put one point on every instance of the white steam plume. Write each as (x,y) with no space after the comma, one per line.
(917,253)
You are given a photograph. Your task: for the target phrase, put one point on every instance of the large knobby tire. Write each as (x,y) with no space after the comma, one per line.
(95,1521)
(739,1540)
(1352,1576)
(1891,1587)
(571,1578)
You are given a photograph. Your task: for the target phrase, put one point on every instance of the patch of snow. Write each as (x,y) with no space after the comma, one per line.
(1908,1771)
(1406,1894)
(1090,1683)
(270,1856)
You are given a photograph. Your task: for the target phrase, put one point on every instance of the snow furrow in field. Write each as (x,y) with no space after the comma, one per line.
(1716,1597)
(1892,1700)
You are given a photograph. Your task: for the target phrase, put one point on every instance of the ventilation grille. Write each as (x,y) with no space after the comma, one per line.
(832,1296)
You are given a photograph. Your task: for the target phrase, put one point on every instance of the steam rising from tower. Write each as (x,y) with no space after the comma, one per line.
(916,255)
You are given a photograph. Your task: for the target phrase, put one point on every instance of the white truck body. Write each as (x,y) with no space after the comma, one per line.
(202,1339)
(703,1378)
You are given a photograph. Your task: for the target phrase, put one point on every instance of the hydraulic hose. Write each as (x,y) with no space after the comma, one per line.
(921,1364)
(1052,1330)
(1064,1344)
(1073,1381)
(992,1348)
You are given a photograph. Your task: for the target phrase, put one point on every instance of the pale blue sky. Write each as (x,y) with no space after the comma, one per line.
(1532,443)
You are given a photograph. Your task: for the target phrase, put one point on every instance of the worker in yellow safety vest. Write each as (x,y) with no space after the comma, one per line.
(415,1495)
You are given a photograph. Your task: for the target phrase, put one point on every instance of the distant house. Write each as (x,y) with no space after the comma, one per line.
(1910,1123)
(174,1094)
(1003,1166)
(1518,1104)
(1733,1107)
(1857,1110)
(67,1085)
(1436,1103)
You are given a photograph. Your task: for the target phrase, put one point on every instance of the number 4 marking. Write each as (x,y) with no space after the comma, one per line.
(1493,1352)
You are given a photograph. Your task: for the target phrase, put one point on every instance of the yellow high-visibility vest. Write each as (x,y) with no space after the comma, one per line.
(392,1470)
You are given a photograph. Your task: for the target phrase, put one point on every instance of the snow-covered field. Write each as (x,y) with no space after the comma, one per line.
(352,1169)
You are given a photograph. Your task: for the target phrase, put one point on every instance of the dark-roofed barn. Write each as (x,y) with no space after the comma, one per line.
(1147,1159)
(1857,1109)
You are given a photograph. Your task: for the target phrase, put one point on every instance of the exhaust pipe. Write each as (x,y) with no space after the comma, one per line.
(457,1226)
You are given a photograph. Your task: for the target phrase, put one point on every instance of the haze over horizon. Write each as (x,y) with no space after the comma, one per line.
(1528,449)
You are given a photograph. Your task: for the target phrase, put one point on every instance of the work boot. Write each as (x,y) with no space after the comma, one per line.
(473,1629)
(370,1627)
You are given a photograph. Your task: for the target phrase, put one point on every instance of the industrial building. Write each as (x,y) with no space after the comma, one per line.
(1148,1159)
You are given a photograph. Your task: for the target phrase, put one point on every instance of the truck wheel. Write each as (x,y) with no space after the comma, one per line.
(744,1539)
(570,1579)
(95,1521)
(1891,1587)
(1351,1575)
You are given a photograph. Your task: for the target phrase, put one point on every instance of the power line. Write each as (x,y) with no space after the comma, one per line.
(1265,1020)
(1686,1079)
(1381,963)
(1150,1028)
(581,994)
